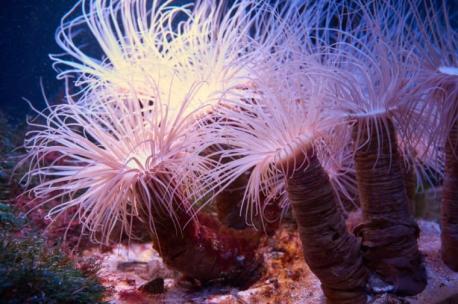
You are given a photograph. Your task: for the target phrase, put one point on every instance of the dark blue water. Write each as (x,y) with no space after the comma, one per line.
(27,30)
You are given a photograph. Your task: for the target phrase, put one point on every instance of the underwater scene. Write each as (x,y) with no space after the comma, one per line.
(229,151)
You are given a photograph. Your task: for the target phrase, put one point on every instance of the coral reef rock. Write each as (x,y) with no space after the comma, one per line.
(127,270)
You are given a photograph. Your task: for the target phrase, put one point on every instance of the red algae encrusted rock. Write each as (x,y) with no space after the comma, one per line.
(287,279)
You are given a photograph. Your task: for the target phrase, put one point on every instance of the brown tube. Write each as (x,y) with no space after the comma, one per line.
(231,211)
(389,231)
(331,252)
(228,204)
(449,210)
(410,181)
(229,207)
(204,249)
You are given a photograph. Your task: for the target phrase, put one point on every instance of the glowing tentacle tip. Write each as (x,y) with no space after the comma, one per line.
(449,70)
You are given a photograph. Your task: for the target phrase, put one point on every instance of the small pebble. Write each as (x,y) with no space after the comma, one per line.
(155,286)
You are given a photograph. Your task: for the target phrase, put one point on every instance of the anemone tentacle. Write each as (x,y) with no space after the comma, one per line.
(436,39)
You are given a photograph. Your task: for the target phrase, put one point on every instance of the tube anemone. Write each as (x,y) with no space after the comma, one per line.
(372,53)
(436,41)
(121,165)
(279,137)
(329,249)
(389,231)
(155,49)
(132,151)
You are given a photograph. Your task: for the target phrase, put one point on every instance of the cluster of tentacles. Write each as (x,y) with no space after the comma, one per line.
(324,107)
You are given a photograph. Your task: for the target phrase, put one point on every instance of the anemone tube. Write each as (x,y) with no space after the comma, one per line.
(389,231)
(229,202)
(330,251)
(410,180)
(449,208)
(204,249)
(229,207)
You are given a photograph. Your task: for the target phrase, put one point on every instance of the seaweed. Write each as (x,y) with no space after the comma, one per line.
(11,139)
(8,220)
(32,272)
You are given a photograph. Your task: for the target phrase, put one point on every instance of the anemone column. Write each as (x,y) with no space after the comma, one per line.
(231,210)
(229,202)
(410,180)
(449,210)
(203,249)
(389,231)
(331,252)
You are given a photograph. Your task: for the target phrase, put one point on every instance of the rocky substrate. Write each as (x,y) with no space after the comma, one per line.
(136,274)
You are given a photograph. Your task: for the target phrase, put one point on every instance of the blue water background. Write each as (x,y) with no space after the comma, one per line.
(27,29)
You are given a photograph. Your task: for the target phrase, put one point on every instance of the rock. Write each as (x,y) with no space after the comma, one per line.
(155,286)
(287,280)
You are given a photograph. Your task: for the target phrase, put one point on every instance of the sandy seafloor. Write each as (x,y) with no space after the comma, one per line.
(287,278)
